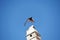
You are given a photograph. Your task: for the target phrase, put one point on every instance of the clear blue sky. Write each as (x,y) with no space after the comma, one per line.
(13,14)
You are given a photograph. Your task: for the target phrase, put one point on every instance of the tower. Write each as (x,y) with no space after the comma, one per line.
(32,34)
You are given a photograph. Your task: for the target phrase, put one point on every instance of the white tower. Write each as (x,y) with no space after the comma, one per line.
(32,34)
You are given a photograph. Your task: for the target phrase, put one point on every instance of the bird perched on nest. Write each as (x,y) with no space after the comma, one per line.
(30,19)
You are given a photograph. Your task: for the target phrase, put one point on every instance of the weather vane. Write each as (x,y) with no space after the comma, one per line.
(32,33)
(30,19)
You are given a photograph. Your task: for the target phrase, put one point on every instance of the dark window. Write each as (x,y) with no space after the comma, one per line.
(30,35)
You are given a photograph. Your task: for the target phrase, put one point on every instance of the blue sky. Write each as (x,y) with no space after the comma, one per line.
(13,14)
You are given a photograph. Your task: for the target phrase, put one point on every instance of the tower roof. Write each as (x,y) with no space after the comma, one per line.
(30,30)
